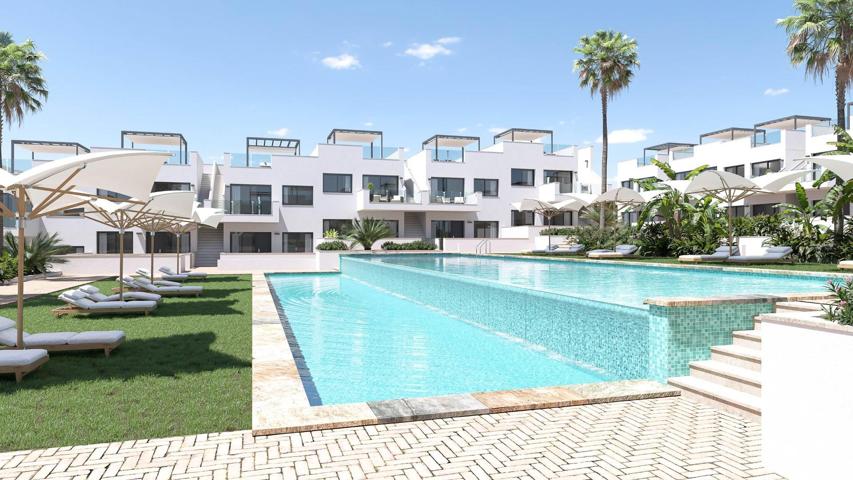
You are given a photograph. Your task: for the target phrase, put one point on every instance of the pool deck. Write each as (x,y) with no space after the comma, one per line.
(280,403)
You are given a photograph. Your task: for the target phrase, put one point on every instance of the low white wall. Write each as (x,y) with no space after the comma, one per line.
(327,260)
(541,242)
(107,264)
(751,245)
(807,399)
(496,245)
(267,262)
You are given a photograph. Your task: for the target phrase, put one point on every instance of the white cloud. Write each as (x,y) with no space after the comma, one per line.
(279,132)
(627,135)
(426,51)
(368,124)
(387,44)
(772,92)
(462,129)
(496,130)
(344,61)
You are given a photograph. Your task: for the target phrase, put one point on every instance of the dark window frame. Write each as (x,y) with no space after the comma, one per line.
(495,223)
(262,204)
(309,245)
(285,197)
(327,225)
(231,246)
(482,188)
(377,188)
(736,169)
(155,187)
(128,242)
(347,175)
(512,181)
(514,217)
(451,224)
(766,163)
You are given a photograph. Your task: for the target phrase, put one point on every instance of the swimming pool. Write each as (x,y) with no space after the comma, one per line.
(400,326)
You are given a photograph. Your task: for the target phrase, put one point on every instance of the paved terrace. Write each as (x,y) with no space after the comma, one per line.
(667,438)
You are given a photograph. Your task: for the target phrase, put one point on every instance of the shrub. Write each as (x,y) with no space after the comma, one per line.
(368,231)
(40,253)
(416,245)
(757,226)
(841,308)
(331,233)
(565,231)
(593,237)
(8,267)
(654,241)
(333,245)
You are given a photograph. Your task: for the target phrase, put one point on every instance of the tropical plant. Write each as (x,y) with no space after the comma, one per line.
(8,267)
(757,226)
(333,245)
(606,67)
(592,214)
(331,233)
(821,37)
(668,207)
(840,310)
(367,231)
(593,237)
(803,212)
(40,253)
(841,194)
(415,245)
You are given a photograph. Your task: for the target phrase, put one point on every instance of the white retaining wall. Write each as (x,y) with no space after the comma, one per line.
(107,264)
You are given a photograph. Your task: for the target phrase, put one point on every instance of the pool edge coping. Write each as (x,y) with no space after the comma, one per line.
(280,403)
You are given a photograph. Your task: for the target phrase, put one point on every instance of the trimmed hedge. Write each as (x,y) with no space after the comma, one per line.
(333,245)
(416,245)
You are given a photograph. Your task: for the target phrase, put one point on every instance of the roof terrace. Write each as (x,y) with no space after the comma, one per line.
(145,140)
(726,135)
(367,139)
(450,148)
(769,132)
(45,149)
(526,135)
(673,151)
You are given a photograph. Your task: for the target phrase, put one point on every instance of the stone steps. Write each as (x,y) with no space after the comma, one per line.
(724,398)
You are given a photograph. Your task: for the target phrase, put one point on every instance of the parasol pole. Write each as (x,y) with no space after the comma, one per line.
(178,252)
(22,207)
(151,247)
(121,259)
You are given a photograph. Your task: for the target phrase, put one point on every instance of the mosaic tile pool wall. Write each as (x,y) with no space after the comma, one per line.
(624,342)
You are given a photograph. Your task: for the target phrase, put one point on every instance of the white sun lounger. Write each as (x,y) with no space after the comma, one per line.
(190,274)
(164,290)
(22,362)
(721,254)
(106,340)
(619,251)
(773,255)
(845,265)
(171,278)
(94,294)
(78,302)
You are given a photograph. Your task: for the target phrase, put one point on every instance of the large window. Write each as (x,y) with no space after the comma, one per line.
(522,177)
(448,229)
(297,195)
(487,186)
(382,184)
(446,189)
(563,219)
(110,194)
(563,177)
(108,242)
(522,218)
(764,209)
(170,186)
(485,229)
(251,242)
(167,243)
(739,211)
(737,170)
(763,168)
(337,183)
(250,199)
(340,226)
(292,242)
(682,175)
(394,226)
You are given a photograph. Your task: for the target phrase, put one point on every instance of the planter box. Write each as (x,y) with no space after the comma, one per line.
(14,281)
(807,396)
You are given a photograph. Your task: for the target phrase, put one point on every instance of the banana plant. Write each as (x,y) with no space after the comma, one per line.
(671,206)
(803,212)
(841,194)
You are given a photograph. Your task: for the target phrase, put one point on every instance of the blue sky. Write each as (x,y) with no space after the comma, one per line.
(220,71)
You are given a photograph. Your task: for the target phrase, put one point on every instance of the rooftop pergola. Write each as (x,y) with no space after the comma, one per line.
(45,147)
(449,141)
(272,146)
(730,133)
(132,138)
(345,136)
(667,148)
(525,135)
(792,122)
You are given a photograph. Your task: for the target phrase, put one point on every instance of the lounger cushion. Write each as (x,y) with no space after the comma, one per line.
(75,294)
(139,304)
(48,339)
(625,248)
(9,337)
(89,289)
(21,358)
(106,305)
(783,250)
(103,337)
(191,288)
(6,323)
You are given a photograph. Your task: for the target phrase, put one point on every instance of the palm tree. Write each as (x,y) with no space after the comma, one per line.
(821,36)
(367,231)
(40,253)
(670,206)
(606,67)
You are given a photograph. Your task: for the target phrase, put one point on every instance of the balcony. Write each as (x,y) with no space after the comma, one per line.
(172,143)
(418,201)
(450,148)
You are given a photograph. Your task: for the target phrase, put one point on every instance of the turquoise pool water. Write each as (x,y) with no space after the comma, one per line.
(627,285)
(362,343)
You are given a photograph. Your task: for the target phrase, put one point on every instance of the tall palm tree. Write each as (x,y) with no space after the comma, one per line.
(606,67)
(22,86)
(821,36)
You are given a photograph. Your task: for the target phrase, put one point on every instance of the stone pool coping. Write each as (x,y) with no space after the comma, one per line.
(280,402)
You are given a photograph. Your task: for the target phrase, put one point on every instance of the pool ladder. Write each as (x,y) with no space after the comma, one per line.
(485,246)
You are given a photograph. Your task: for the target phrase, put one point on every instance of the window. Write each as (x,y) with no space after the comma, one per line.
(629,218)
(170,186)
(110,194)
(76,249)
(167,243)
(382,184)
(737,170)
(485,229)
(394,226)
(297,242)
(448,229)
(764,209)
(487,186)
(108,242)
(763,168)
(563,177)
(337,183)
(563,219)
(522,177)
(681,175)
(297,195)
(446,188)
(739,211)
(340,226)
(250,199)
(522,217)
(251,242)
(627,184)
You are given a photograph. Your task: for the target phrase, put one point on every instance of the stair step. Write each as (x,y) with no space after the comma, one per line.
(727,375)
(747,338)
(738,356)
(798,306)
(725,398)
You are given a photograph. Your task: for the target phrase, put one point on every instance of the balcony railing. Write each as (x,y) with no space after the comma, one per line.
(818,130)
(246,207)
(767,138)
(382,153)
(550,149)
(256,160)
(446,155)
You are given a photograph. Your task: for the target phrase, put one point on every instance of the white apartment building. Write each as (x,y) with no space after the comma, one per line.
(278,200)
(766,147)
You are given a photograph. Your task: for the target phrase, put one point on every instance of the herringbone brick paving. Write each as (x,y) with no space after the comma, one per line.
(668,438)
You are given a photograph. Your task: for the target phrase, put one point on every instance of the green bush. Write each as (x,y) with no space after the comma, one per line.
(40,252)
(757,226)
(416,245)
(333,245)
(565,231)
(841,308)
(593,237)
(8,267)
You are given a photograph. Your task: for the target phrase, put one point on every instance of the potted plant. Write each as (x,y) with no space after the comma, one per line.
(370,188)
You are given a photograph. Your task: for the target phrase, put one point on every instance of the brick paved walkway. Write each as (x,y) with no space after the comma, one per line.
(669,438)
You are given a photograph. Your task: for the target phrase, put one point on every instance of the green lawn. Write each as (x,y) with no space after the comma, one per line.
(184,370)
(800,267)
